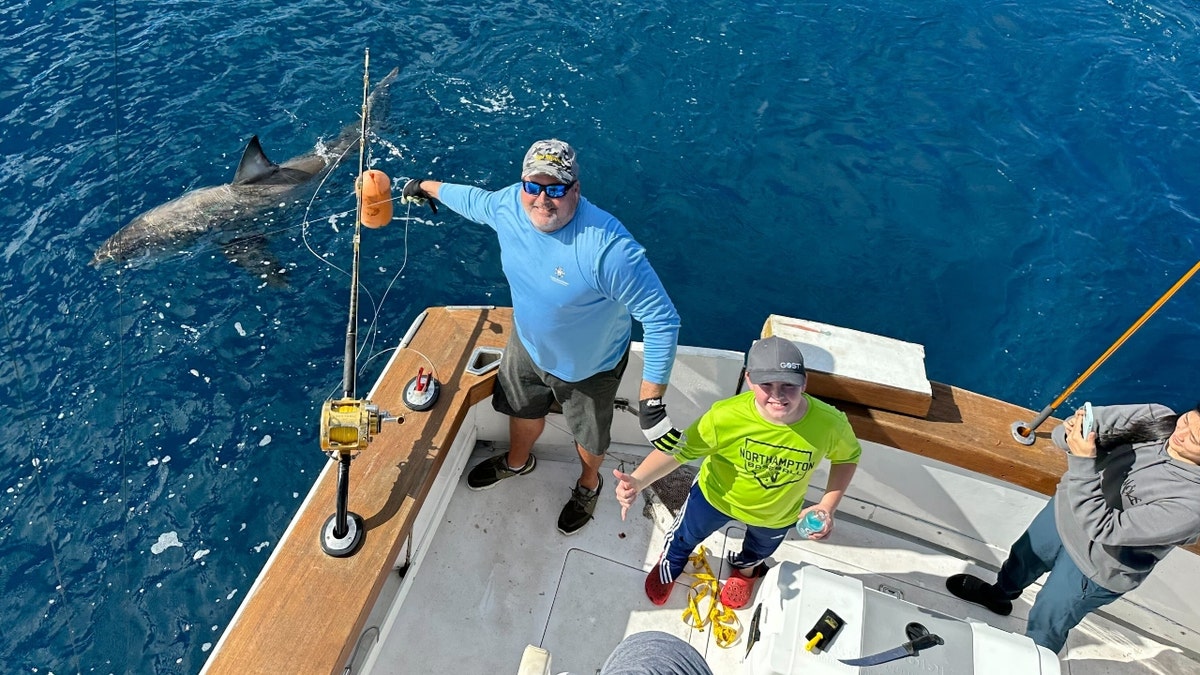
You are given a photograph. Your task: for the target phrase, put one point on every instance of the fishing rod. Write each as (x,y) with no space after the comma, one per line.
(1022,432)
(348,423)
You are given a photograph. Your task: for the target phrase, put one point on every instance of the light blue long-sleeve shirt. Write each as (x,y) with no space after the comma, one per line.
(575,290)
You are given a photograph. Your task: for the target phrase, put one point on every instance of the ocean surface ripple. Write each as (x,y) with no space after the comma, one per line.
(1009,184)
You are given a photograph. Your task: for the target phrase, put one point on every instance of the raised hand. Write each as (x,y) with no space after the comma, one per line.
(413,194)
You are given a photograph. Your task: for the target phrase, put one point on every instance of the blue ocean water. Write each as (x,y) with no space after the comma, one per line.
(1009,184)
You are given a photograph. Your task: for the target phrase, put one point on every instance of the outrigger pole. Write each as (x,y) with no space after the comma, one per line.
(1023,431)
(348,423)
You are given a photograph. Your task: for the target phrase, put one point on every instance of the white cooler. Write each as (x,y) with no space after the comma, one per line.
(794,597)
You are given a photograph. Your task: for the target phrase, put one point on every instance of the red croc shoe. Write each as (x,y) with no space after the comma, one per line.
(656,590)
(740,586)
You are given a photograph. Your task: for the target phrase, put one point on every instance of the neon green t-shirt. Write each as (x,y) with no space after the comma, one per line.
(757,471)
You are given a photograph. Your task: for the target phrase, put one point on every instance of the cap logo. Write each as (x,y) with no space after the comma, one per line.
(787,365)
(553,159)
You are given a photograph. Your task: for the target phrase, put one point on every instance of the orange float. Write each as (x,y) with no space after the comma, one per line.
(375,192)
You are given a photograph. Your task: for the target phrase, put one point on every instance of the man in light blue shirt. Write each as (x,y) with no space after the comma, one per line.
(578,279)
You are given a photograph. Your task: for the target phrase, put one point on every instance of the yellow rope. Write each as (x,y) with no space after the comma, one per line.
(726,625)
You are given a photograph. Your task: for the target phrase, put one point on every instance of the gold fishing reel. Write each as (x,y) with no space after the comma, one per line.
(348,424)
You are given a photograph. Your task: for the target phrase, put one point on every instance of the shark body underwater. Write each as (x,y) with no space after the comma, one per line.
(228,211)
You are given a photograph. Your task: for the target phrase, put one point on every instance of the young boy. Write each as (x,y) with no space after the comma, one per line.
(760,449)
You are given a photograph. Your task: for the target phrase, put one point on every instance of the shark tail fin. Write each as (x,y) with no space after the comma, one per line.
(254,165)
(378,103)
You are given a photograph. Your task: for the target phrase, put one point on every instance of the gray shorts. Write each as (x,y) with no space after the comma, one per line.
(523,390)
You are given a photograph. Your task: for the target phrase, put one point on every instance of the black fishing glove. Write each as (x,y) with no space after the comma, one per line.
(657,426)
(413,194)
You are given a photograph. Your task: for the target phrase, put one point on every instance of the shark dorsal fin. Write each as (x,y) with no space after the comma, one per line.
(254,165)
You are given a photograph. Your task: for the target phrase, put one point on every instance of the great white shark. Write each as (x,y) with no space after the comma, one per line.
(228,211)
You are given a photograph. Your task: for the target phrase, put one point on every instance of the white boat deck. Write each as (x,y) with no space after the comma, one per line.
(490,574)
(499,576)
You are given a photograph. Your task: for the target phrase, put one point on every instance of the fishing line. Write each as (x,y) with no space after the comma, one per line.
(41,488)
(432,369)
(365,159)
(307,220)
(60,586)
(378,310)
(377,307)
(122,413)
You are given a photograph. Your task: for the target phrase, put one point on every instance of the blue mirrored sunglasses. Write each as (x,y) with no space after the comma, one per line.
(555,191)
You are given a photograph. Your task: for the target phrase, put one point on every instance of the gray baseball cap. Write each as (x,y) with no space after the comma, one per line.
(551,157)
(775,359)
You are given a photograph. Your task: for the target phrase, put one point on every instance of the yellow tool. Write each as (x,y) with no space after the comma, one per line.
(824,630)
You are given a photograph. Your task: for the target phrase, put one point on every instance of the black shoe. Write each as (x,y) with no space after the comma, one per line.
(578,510)
(491,471)
(973,589)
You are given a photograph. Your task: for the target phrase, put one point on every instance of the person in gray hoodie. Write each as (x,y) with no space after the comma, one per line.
(1131,493)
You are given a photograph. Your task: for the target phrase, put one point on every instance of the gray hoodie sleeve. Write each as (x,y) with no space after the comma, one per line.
(1113,418)
(1156,513)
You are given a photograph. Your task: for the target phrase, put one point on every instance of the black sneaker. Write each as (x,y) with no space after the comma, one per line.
(973,589)
(491,471)
(578,510)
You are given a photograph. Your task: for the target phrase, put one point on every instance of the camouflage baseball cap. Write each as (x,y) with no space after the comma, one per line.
(551,157)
